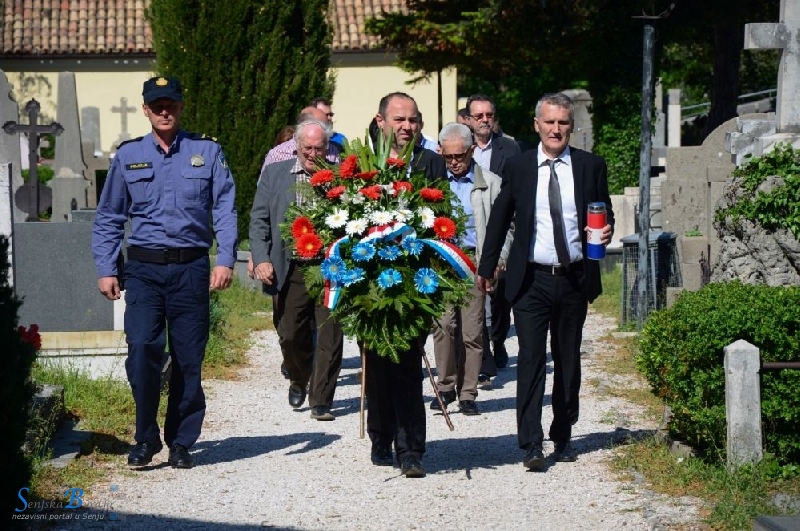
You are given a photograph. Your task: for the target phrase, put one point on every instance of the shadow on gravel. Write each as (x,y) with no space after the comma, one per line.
(146,522)
(448,455)
(236,448)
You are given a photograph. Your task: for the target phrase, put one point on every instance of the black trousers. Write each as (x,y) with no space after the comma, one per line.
(500,311)
(301,323)
(557,302)
(396,411)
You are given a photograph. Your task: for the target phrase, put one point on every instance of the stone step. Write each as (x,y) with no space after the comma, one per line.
(47,411)
(777,523)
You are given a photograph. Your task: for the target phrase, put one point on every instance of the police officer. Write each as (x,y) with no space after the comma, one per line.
(172,185)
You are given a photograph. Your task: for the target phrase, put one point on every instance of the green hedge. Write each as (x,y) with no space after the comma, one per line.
(681,355)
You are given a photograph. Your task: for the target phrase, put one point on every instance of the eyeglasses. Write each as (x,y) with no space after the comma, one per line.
(456,157)
(480,115)
(308,150)
(329,114)
(158,108)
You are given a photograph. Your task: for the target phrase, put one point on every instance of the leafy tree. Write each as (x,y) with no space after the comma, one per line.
(247,68)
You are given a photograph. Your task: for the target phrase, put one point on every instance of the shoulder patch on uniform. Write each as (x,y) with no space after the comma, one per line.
(138,165)
(222,160)
(137,139)
(198,136)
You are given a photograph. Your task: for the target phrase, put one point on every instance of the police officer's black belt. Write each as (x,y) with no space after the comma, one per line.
(166,256)
(557,269)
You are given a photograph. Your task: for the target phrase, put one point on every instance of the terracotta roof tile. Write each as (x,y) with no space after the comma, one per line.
(113,27)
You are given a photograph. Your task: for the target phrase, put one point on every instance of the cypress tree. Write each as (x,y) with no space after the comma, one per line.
(247,68)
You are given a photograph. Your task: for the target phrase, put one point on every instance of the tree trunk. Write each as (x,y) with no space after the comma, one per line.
(728,46)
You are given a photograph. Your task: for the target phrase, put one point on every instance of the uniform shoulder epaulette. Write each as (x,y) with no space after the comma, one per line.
(137,139)
(198,136)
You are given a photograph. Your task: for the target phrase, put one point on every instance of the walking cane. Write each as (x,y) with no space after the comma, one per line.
(436,393)
(363,390)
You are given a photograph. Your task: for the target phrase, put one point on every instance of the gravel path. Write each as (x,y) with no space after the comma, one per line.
(261,465)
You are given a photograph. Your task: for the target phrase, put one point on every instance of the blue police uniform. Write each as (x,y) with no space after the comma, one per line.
(171,199)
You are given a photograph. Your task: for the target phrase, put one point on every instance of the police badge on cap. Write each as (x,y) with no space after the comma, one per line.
(162,87)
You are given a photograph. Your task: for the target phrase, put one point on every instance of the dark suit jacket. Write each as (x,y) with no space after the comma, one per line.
(518,198)
(430,161)
(502,149)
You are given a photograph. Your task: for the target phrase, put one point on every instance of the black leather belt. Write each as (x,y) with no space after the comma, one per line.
(557,269)
(166,256)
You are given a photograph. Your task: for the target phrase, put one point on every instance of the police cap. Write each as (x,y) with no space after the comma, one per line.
(162,87)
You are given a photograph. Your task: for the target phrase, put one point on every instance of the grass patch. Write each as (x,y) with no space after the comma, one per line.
(609,303)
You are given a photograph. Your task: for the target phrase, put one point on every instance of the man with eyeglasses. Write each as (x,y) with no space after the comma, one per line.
(491,152)
(458,334)
(324,105)
(297,315)
(177,191)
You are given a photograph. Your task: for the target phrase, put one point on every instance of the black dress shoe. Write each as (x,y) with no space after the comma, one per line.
(500,355)
(448,397)
(565,452)
(468,407)
(322,413)
(143,453)
(297,395)
(381,455)
(484,379)
(412,468)
(534,459)
(179,456)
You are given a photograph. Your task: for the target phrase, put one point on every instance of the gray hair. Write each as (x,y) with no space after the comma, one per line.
(456,131)
(307,123)
(559,99)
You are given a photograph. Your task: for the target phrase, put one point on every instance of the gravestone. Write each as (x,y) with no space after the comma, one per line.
(32,199)
(9,145)
(68,184)
(90,129)
(123,110)
(94,163)
(582,129)
(752,253)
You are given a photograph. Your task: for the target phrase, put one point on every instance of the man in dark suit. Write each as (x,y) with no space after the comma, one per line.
(491,152)
(548,281)
(296,314)
(396,412)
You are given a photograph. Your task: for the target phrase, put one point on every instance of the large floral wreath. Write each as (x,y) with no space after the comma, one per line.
(379,245)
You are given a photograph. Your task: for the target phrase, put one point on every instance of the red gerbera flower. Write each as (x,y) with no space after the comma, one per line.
(31,336)
(397,163)
(373,192)
(335,192)
(348,167)
(444,228)
(308,245)
(402,185)
(321,177)
(431,194)
(367,175)
(301,226)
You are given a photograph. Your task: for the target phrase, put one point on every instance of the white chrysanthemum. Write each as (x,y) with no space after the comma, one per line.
(358,199)
(381,217)
(337,219)
(345,198)
(356,226)
(403,214)
(389,189)
(402,201)
(426,217)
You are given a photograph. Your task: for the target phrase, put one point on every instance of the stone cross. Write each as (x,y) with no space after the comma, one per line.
(784,35)
(30,197)
(123,110)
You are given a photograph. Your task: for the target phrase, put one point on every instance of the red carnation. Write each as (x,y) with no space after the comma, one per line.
(301,226)
(335,192)
(348,167)
(444,228)
(308,245)
(431,194)
(397,163)
(321,177)
(373,192)
(31,336)
(367,175)
(402,185)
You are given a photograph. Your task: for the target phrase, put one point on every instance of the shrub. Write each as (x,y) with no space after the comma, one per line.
(16,388)
(681,355)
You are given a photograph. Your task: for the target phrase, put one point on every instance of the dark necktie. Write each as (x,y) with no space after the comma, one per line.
(559,236)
